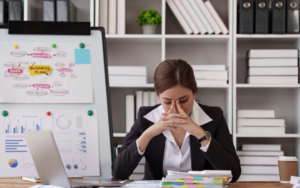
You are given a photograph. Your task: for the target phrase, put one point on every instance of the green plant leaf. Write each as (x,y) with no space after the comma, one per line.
(149,17)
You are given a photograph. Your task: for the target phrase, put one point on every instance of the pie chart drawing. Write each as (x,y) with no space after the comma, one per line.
(13,163)
(69,167)
(63,122)
(83,167)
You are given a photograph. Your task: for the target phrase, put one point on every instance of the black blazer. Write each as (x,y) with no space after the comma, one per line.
(221,154)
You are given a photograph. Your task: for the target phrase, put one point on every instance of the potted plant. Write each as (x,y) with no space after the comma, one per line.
(149,20)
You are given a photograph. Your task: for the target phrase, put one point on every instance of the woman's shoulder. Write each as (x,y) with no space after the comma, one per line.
(212,111)
(143,110)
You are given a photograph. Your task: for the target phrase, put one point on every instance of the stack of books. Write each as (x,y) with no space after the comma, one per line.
(269,66)
(259,122)
(210,74)
(206,178)
(127,74)
(143,98)
(197,17)
(116,16)
(259,162)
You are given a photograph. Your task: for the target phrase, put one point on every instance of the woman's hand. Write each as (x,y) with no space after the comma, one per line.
(190,126)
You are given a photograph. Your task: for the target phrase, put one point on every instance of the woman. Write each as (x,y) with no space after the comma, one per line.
(179,134)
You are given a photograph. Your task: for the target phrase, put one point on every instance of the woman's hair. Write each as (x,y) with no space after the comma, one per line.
(172,72)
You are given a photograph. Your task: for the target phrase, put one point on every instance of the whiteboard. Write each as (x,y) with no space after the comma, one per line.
(100,88)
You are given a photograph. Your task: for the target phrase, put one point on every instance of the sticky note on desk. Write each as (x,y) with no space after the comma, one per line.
(82,56)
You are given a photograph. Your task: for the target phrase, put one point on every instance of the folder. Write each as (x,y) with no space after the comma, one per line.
(3,12)
(262,17)
(15,10)
(292,25)
(49,10)
(112,17)
(246,19)
(278,16)
(65,11)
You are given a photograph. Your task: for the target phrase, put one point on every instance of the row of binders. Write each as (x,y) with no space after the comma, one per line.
(133,104)
(52,10)
(259,122)
(197,17)
(268,16)
(259,162)
(273,66)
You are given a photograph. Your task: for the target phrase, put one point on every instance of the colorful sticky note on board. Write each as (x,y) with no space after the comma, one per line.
(189,177)
(192,186)
(217,181)
(184,186)
(195,181)
(179,180)
(167,183)
(200,186)
(178,183)
(198,178)
(82,56)
(188,181)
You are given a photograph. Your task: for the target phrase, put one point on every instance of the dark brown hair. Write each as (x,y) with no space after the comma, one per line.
(172,72)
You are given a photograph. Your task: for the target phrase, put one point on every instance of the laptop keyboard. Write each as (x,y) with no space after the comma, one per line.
(79,183)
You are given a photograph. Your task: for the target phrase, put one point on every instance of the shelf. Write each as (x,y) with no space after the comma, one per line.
(197,38)
(132,38)
(267,86)
(271,38)
(289,135)
(152,86)
(120,134)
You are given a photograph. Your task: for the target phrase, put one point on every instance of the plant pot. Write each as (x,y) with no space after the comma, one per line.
(149,28)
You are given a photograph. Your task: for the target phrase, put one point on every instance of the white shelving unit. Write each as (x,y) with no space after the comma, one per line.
(284,99)
(170,42)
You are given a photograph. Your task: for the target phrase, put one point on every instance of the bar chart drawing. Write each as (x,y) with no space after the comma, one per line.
(15,146)
(18,126)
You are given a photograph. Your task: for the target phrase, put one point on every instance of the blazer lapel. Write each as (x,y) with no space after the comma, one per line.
(197,157)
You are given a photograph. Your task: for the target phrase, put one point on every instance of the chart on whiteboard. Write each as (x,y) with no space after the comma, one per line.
(43,73)
(75,134)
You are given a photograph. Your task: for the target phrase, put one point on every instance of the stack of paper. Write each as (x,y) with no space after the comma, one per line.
(269,66)
(127,74)
(259,162)
(197,17)
(295,181)
(206,178)
(210,74)
(259,122)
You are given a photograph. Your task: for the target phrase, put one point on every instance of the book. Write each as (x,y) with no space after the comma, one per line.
(260,130)
(129,112)
(139,101)
(256,160)
(216,17)
(270,71)
(139,169)
(261,122)
(186,16)
(211,82)
(261,147)
(127,70)
(259,153)
(208,17)
(272,53)
(112,16)
(115,79)
(246,16)
(152,98)
(146,98)
(272,80)
(260,170)
(201,16)
(275,62)
(194,16)
(256,113)
(260,177)
(208,67)
(121,16)
(211,75)
(101,14)
(179,17)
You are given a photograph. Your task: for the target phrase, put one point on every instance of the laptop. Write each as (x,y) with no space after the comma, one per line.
(49,165)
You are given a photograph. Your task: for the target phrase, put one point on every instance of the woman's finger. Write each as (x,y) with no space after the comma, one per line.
(171,110)
(173,116)
(180,110)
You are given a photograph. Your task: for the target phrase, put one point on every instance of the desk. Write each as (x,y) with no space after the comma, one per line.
(18,183)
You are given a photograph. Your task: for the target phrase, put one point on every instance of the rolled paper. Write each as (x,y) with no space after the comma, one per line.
(192,186)
(167,183)
(189,177)
(198,178)
(190,180)
(179,180)
(178,183)
(195,181)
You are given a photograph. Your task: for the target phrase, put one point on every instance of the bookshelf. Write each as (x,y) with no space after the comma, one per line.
(284,99)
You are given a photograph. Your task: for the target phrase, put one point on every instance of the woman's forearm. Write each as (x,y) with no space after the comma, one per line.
(144,140)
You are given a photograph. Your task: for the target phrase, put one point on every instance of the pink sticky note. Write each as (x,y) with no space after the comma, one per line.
(188,181)
(189,177)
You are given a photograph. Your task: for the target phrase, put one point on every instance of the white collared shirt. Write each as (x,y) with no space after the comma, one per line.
(175,158)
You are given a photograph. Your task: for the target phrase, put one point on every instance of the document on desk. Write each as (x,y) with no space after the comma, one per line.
(149,183)
(75,134)
(45,186)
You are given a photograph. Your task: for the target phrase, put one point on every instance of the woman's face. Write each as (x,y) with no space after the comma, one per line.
(184,95)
